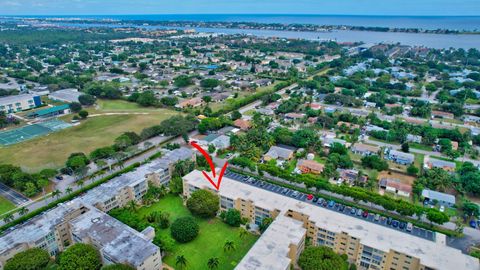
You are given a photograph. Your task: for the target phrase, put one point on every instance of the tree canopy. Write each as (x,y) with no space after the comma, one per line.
(321,258)
(203,203)
(80,256)
(30,259)
(184,229)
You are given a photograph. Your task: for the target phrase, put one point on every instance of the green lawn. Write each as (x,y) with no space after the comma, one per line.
(5,205)
(122,106)
(420,146)
(208,244)
(52,151)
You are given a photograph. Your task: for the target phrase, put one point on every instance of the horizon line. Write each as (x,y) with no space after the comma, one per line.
(238,14)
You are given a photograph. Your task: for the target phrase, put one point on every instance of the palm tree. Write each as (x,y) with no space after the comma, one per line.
(69,190)
(80,183)
(8,217)
(212,263)
(56,193)
(181,262)
(229,246)
(243,233)
(132,206)
(23,211)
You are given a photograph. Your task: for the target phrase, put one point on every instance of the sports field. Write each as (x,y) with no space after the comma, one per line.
(52,150)
(28,132)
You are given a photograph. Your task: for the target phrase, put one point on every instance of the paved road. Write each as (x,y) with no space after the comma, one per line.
(12,195)
(419,151)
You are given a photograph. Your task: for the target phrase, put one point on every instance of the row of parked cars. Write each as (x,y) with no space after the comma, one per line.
(348,210)
(361,213)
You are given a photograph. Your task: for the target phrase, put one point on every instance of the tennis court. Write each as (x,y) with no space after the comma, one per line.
(31,131)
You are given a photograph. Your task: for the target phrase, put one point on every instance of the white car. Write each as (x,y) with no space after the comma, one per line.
(442,208)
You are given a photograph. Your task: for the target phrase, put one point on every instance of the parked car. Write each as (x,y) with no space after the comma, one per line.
(341,208)
(295,193)
(395,223)
(315,200)
(389,221)
(310,197)
(409,227)
(442,208)
(359,212)
(377,217)
(331,204)
(324,204)
(353,211)
(285,190)
(365,214)
(473,224)
(59,177)
(403,225)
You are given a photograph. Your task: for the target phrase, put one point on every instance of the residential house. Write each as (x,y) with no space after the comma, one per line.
(440,114)
(429,163)
(395,186)
(242,124)
(414,138)
(278,152)
(350,176)
(365,149)
(399,157)
(193,102)
(441,198)
(310,166)
(294,116)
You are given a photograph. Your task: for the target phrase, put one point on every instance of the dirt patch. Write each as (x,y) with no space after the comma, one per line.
(400,176)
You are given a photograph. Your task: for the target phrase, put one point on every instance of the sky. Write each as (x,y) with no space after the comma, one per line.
(322,7)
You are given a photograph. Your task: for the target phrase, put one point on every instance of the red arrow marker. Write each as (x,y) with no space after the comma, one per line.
(212,167)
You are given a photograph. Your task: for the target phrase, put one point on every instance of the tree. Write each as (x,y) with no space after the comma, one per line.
(86,100)
(321,258)
(471,209)
(176,185)
(212,263)
(8,218)
(229,246)
(235,115)
(203,203)
(68,190)
(211,148)
(182,81)
(265,223)
(75,107)
(184,229)
(242,233)
(232,217)
(56,193)
(23,211)
(80,256)
(147,98)
(405,147)
(180,262)
(207,99)
(118,266)
(30,259)
(83,114)
(412,170)
(435,216)
(209,83)
(374,162)
(77,161)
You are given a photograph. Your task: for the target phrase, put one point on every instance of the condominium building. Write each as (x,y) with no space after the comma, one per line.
(84,219)
(368,245)
(11,104)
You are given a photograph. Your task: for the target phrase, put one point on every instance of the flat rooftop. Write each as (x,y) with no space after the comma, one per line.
(117,240)
(271,249)
(15,98)
(432,254)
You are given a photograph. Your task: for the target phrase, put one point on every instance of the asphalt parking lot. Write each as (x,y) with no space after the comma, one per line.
(12,195)
(331,205)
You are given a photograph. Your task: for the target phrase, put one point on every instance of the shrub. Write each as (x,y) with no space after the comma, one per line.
(184,229)
(203,203)
(232,217)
